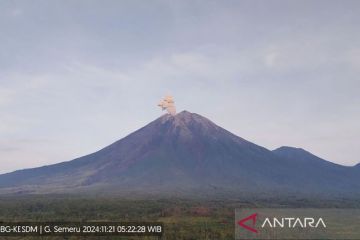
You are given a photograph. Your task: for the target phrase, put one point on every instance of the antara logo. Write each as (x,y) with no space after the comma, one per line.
(249,223)
(292,222)
(249,218)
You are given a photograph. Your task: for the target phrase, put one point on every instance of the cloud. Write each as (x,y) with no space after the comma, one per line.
(354,58)
(6,96)
(287,72)
(25,153)
(16,12)
(271,58)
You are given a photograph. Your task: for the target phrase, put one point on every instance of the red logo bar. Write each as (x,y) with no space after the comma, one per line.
(247,227)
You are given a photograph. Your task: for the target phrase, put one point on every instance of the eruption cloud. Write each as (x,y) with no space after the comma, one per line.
(168,104)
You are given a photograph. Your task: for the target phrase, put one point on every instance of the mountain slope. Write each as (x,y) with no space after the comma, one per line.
(319,171)
(186,152)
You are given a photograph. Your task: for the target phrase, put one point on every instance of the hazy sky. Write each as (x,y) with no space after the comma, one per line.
(77,75)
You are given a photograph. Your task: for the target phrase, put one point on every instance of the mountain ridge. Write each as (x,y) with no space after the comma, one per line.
(183,153)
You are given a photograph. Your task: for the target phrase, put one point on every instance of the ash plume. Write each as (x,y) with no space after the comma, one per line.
(168,104)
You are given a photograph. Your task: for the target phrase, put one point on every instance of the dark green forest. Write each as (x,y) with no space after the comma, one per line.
(182,218)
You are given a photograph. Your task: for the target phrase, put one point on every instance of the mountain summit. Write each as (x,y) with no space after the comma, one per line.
(186,154)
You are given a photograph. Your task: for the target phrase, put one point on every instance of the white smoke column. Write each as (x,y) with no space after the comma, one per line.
(168,104)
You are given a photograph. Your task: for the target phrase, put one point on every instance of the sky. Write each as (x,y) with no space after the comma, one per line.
(77,75)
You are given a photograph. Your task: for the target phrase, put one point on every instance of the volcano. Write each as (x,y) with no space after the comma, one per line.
(187,154)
